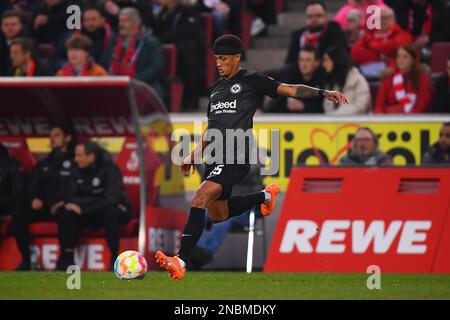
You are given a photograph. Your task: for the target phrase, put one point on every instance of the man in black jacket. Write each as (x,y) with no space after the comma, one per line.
(49,22)
(306,71)
(13,180)
(439,152)
(97,199)
(47,188)
(318,32)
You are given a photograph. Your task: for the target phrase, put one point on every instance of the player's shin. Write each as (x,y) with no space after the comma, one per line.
(239,204)
(192,232)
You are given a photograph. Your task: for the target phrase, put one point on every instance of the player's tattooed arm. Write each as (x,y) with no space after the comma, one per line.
(303,91)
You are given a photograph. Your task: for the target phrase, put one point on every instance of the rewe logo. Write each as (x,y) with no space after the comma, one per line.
(377,234)
(223,105)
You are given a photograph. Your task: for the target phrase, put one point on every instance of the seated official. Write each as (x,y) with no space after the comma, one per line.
(97,198)
(46,189)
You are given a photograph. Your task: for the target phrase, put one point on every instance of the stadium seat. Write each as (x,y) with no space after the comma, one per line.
(211,73)
(175,85)
(439,56)
(374,87)
(279,6)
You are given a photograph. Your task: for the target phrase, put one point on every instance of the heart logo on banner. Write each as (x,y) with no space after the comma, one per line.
(331,137)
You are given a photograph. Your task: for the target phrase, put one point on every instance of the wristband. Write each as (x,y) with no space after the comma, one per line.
(321,92)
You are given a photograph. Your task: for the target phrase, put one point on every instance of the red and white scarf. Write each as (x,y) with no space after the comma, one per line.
(127,65)
(31,68)
(311,38)
(406,97)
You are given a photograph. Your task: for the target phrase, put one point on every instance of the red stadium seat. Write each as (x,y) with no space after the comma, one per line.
(211,73)
(176,87)
(279,6)
(440,52)
(18,148)
(207,20)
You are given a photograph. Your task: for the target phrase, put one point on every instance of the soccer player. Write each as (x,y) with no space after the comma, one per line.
(232,103)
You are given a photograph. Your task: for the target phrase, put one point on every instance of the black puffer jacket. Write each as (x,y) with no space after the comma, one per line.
(98,186)
(13,181)
(50,177)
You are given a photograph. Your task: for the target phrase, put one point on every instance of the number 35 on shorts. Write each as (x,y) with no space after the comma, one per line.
(217,170)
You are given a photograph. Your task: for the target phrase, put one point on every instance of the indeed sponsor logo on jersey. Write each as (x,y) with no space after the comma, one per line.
(223,105)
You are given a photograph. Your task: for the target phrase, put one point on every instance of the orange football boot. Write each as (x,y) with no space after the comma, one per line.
(171,264)
(267,208)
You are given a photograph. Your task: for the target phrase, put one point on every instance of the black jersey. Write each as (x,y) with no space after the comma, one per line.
(233,102)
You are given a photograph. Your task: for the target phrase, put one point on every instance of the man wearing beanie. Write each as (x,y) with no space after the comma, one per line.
(233,100)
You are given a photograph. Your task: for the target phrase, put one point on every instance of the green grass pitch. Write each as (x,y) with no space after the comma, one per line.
(223,286)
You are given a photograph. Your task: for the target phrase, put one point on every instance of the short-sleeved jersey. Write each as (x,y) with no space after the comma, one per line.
(233,101)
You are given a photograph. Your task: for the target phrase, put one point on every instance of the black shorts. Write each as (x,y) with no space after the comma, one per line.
(227,175)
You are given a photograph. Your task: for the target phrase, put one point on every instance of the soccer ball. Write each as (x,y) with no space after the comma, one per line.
(130,265)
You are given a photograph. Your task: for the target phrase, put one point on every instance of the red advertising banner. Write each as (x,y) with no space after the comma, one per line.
(346,219)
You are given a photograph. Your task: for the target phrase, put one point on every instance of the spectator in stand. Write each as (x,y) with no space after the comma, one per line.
(79,62)
(13,182)
(49,22)
(365,150)
(439,153)
(408,89)
(11,28)
(226,15)
(180,24)
(307,71)
(97,198)
(112,9)
(376,49)
(318,32)
(359,5)
(134,53)
(264,15)
(441,95)
(23,64)
(47,188)
(427,20)
(353,31)
(25,5)
(96,28)
(341,75)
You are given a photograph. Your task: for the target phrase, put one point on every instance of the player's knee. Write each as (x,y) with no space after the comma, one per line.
(199,200)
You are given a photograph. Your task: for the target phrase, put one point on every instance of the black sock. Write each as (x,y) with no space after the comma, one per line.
(192,232)
(240,204)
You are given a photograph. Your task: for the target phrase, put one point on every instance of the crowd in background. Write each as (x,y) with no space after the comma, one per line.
(125,37)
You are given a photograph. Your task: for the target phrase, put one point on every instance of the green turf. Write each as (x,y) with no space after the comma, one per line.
(223,285)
